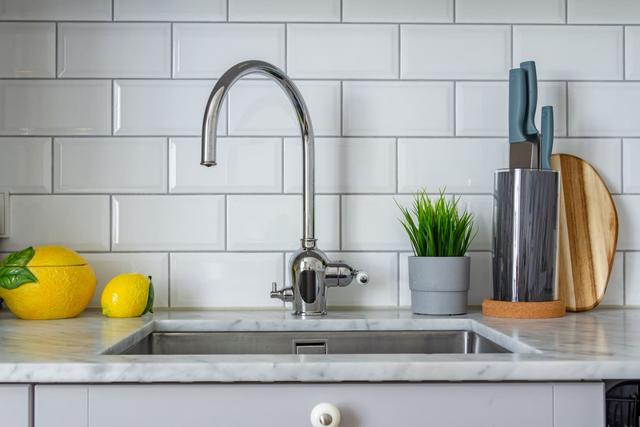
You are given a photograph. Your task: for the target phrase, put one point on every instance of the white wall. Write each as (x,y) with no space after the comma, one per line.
(101,104)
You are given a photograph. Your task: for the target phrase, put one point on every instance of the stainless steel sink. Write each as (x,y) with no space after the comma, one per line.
(317,342)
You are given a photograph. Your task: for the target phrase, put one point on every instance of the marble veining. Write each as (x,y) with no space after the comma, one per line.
(602,344)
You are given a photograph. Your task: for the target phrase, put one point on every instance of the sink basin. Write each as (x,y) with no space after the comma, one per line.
(316,342)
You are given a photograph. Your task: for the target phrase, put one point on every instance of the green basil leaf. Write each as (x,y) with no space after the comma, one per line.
(12,277)
(149,307)
(20,258)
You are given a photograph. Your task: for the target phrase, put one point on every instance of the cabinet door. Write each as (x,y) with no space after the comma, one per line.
(290,405)
(579,405)
(15,405)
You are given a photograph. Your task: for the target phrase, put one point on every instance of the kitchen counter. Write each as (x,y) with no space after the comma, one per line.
(601,344)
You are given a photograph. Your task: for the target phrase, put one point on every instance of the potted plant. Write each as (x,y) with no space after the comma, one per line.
(439,270)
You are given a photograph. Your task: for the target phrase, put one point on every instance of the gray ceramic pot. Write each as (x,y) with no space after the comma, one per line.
(439,285)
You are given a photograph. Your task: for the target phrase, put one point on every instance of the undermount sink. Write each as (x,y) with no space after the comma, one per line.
(316,342)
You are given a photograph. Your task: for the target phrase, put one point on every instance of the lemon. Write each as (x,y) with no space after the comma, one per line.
(46,282)
(127,295)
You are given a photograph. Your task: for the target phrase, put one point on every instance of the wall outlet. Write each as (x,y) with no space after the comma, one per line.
(4,213)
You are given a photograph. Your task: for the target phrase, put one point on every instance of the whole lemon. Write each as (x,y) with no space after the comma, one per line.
(127,295)
(46,282)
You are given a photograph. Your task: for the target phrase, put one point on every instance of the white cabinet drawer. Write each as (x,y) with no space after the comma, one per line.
(15,405)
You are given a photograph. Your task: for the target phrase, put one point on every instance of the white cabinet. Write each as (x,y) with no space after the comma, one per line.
(290,405)
(15,405)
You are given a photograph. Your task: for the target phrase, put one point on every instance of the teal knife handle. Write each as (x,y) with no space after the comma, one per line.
(532,96)
(546,141)
(517,105)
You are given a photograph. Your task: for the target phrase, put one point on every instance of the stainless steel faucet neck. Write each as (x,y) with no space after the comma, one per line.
(212,114)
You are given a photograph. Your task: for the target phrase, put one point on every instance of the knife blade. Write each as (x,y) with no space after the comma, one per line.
(522,152)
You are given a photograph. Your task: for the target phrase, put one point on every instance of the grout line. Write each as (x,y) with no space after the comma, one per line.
(566,11)
(283,159)
(567,112)
(340,223)
(227,17)
(512,47)
(226,222)
(112,108)
(624,278)
(286,48)
(399,52)
(341,108)
(397,165)
(113,10)
(454,12)
(55,52)
(168,181)
(622,165)
(111,223)
(398,279)
(53,164)
(455,109)
(172,58)
(341,11)
(168,279)
(624,52)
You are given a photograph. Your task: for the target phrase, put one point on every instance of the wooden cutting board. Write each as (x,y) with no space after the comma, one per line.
(587,233)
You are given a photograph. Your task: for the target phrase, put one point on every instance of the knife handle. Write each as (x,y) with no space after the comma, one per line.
(517,105)
(532,96)
(546,140)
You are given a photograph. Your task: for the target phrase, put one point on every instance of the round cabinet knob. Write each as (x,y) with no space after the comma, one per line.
(362,277)
(325,415)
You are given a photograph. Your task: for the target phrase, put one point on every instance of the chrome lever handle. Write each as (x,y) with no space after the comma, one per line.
(284,294)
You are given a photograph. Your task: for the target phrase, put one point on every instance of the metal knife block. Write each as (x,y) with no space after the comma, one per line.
(525,235)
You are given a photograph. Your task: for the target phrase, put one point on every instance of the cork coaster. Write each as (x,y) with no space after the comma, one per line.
(523,310)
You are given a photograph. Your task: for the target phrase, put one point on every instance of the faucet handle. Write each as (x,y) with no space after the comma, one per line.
(284,294)
(341,274)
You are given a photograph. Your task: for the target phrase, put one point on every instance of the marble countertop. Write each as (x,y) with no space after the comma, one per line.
(601,344)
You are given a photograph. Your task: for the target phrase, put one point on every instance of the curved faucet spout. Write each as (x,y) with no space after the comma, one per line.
(212,114)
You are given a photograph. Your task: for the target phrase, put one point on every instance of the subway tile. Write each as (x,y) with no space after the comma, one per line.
(27,49)
(482,108)
(632,278)
(603,12)
(560,54)
(342,51)
(398,108)
(55,10)
(397,11)
(344,165)
(604,109)
(114,50)
(628,207)
(630,160)
(49,107)
(372,223)
(110,165)
(109,265)
(455,52)
(481,207)
(261,108)
(284,10)
(79,222)
(632,53)
(274,222)
(245,165)
(614,294)
(603,154)
(224,279)
(25,165)
(193,45)
(161,107)
(511,11)
(161,223)
(170,10)
(434,164)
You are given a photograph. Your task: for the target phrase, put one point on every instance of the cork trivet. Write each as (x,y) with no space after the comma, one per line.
(523,310)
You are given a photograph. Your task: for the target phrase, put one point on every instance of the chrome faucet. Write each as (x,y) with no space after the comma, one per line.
(311,270)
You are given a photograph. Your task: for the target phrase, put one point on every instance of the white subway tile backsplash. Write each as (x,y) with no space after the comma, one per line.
(372,223)
(434,164)
(397,11)
(161,223)
(259,107)
(245,165)
(604,109)
(397,108)
(161,107)
(284,10)
(482,108)
(27,49)
(455,52)
(52,10)
(224,279)
(628,207)
(342,51)
(558,51)
(25,165)
(632,53)
(511,11)
(193,45)
(344,165)
(614,294)
(110,165)
(114,50)
(481,207)
(109,265)
(632,278)
(170,10)
(79,222)
(603,154)
(603,11)
(48,107)
(274,222)
(630,161)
